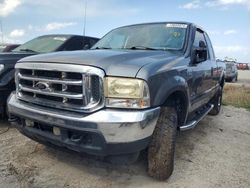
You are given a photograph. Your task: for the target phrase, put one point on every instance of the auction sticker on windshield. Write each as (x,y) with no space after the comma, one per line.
(60,38)
(175,25)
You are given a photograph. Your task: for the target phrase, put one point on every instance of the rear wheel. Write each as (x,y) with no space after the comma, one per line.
(236,78)
(217,102)
(162,147)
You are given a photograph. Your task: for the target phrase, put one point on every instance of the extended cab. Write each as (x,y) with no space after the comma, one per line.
(132,91)
(42,44)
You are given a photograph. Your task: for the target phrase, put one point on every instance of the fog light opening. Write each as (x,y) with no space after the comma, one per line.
(29,123)
(56,131)
(76,138)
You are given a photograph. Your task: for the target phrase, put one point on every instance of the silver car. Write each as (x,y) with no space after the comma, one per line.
(231,71)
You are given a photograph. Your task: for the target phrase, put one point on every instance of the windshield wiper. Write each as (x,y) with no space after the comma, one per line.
(100,48)
(131,48)
(27,50)
(141,48)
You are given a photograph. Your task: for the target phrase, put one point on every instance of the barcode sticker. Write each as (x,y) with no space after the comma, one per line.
(60,38)
(175,25)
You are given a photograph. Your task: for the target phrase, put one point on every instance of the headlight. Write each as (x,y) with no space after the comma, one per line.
(1,67)
(126,93)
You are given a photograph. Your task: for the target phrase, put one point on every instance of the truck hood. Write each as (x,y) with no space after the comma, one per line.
(10,58)
(124,63)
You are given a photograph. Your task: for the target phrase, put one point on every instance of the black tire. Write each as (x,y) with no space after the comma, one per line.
(3,113)
(6,112)
(217,102)
(162,147)
(233,79)
(236,78)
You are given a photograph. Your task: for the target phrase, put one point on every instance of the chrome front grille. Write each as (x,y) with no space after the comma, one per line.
(63,86)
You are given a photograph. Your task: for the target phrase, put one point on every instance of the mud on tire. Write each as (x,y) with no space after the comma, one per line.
(162,147)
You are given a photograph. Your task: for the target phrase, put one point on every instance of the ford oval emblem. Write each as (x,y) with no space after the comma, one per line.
(42,86)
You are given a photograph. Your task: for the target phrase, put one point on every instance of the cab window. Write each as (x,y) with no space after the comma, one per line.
(199,36)
(210,48)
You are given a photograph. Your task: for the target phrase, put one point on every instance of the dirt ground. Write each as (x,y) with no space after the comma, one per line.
(214,154)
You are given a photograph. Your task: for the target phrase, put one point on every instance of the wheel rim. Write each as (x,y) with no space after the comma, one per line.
(219,101)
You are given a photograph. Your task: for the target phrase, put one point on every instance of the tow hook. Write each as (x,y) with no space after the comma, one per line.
(12,119)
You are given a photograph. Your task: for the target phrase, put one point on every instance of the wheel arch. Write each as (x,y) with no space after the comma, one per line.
(169,91)
(180,101)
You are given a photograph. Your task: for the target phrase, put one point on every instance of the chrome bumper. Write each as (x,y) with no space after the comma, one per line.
(116,126)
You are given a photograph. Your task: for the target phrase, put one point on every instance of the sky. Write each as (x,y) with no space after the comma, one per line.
(226,21)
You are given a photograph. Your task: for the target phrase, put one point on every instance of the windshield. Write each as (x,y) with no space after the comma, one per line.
(43,44)
(162,36)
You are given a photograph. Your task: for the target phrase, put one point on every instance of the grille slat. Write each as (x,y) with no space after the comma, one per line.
(50,80)
(69,87)
(51,93)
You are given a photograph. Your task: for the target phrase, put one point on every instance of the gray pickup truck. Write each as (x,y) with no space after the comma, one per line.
(132,91)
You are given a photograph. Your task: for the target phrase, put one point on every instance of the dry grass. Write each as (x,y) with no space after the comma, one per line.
(236,95)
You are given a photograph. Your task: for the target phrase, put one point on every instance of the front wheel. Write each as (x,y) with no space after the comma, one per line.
(217,102)
(162,147)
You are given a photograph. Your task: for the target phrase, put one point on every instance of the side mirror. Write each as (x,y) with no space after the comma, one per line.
(199,54)
(202,44)
(86,47)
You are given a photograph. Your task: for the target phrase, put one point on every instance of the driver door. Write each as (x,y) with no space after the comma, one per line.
(202,76)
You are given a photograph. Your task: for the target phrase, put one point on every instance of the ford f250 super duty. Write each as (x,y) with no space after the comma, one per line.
(42,44)
(132,91)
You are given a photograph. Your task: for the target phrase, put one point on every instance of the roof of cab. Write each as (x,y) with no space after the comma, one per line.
(165,22)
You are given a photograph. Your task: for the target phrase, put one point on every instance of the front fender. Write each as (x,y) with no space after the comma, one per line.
(161,87)
(7,77)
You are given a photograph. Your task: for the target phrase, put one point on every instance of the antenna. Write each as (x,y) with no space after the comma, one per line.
(85,14)
(1,30)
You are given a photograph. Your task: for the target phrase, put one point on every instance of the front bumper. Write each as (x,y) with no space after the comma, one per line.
(111,131)
(230,76)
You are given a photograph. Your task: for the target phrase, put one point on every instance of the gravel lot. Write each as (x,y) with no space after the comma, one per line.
(214,154)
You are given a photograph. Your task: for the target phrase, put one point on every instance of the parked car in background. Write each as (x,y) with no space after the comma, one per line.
(231,71)
(243,66)
(42,44)
(8,47)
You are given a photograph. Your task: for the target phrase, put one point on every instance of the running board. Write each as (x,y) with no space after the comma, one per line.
(193,123)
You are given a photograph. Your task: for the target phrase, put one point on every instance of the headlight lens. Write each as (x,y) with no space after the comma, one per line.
(1,67)
(126,93)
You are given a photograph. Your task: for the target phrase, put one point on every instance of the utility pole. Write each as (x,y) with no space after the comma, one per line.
(1,30)
(85,15)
